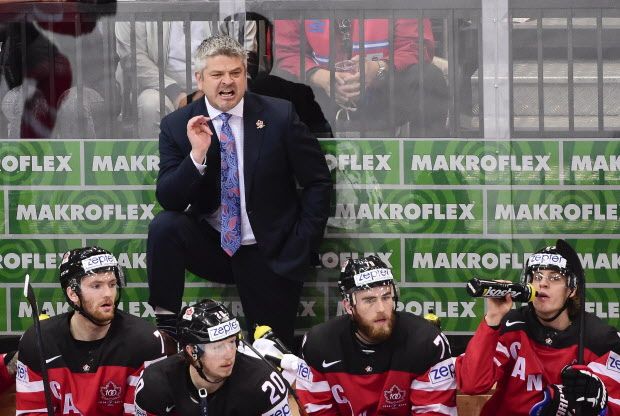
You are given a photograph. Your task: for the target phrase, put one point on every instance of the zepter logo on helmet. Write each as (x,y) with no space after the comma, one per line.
(81,262)
(549,258)
(363,274)
(206,321)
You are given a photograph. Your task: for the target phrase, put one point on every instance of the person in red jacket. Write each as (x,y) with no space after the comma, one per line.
(530,353)
(94,354)
(370,103)
(374,360)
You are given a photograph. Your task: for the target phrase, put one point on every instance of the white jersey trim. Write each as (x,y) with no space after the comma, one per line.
(29,386)
(437,408)
(602,369)
(25,412)
(428,386)
(312,408)
(314,387)
(133,380)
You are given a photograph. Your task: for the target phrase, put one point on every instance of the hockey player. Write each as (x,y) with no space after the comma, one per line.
(530,352)
(374,360)
(210,376)
(95,353)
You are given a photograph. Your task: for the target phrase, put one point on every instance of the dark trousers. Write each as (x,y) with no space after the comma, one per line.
(179,242)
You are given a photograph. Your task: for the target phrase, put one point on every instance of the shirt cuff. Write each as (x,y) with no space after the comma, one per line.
(200,166)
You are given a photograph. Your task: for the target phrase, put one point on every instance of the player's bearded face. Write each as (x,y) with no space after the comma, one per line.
(374,313)
(98,293)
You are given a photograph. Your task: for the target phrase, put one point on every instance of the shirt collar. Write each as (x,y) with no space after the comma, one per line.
(215,113)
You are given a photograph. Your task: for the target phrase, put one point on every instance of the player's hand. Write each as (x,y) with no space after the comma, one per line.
(269,350)
(497,308)
(553,403)
(199,135)
(584,389)
(10,361)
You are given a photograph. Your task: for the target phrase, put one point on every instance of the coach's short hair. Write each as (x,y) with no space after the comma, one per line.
(218,45)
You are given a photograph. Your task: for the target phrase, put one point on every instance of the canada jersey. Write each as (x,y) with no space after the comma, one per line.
(85,378)
(524,357)
(410,373)
(252,389)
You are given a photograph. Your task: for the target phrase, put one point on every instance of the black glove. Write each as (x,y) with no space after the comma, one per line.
(554,403)
(584,389)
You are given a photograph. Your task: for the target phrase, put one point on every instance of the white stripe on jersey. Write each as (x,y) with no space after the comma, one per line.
(24,412)
(314,387)
(28,386)
(129,408)
(602,369)
(311,408)
(611,399)
(147,363)
(437,408)
(428,386)
(496,361)
(133,380)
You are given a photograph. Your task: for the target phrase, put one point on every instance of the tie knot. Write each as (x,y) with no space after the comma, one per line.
(225,117)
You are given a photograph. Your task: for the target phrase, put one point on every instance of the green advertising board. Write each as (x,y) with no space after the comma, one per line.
(86,211)
(121,162)
(479,162)
(38,163)
(592,162)
(438,212)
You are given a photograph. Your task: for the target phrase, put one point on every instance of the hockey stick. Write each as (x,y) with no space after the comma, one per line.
(302,409)
(571,256)
(29,294)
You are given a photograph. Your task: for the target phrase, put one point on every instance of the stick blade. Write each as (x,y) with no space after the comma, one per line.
(26,285)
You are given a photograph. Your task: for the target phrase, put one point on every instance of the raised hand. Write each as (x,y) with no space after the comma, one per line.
(199,135)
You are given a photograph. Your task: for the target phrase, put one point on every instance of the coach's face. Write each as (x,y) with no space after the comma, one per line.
(223,81)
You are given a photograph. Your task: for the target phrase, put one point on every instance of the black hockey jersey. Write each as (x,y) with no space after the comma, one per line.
(410,373)
(86,378)
(523,357)
(252,389)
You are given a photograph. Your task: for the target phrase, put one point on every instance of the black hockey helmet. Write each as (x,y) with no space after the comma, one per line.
(364,273)
(560,258)
(87,261)
(81,262)
(206,321)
